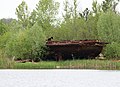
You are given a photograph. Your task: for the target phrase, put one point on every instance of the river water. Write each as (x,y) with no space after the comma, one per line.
(59,78)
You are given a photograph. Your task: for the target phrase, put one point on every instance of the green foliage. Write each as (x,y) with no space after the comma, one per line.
(108,27)
(75,9)
(33,18)
(109,5)
(26,43)
(4,39)
(5,63)
(67,10)
(109,30)
(3,28)
(23,14)
(70,11)
(77,29)
(96,7)
(73,64)
(46,11)
(15,26)
(113,50)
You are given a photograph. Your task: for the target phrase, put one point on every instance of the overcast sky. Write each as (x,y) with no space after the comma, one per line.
(8,7)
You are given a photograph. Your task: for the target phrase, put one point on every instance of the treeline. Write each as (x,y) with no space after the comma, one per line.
(25,37)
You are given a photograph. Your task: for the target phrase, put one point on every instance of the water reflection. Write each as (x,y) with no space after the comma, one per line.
(59,78)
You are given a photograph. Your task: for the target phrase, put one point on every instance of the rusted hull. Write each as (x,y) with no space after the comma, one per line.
(75,49)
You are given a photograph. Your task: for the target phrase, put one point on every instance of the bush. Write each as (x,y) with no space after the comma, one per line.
(27,43)
(4,39)
(79,30)
(108,27)
(113,50)
(3,28)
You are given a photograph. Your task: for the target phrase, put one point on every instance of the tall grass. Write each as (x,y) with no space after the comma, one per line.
(5,63)
(72,64)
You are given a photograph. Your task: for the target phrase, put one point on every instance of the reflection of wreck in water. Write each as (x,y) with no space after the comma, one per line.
(70,49)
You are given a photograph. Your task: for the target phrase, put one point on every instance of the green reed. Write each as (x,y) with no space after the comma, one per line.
(71,64)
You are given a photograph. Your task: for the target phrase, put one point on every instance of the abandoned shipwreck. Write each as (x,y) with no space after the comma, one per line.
(72,49)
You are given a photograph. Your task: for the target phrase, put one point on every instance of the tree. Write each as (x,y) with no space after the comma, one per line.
(75,9)
(74,27)
(33,18)
(108,27)
(22,13)
(85,14)
(67,10)
(46,11)
(7,20)
(3,27)
(109,5)
(26,43)
(96,8)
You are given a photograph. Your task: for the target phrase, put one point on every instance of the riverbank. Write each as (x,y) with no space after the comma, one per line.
(71,64)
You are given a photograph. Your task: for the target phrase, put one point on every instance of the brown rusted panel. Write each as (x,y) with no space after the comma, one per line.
(78,48)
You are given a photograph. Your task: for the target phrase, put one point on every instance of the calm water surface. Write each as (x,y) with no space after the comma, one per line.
(59,78)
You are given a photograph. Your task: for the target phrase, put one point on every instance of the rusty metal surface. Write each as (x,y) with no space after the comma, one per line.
(74,42)
(78,48)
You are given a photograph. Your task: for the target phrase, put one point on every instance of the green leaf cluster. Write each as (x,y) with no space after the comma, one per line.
(26,43)
(109,30)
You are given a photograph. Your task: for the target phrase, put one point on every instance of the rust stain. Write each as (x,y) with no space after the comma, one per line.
(70,49)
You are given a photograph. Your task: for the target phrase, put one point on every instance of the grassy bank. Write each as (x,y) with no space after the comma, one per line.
(73,64)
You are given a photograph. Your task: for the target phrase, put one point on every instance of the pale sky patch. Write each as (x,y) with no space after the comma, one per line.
(8,7)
